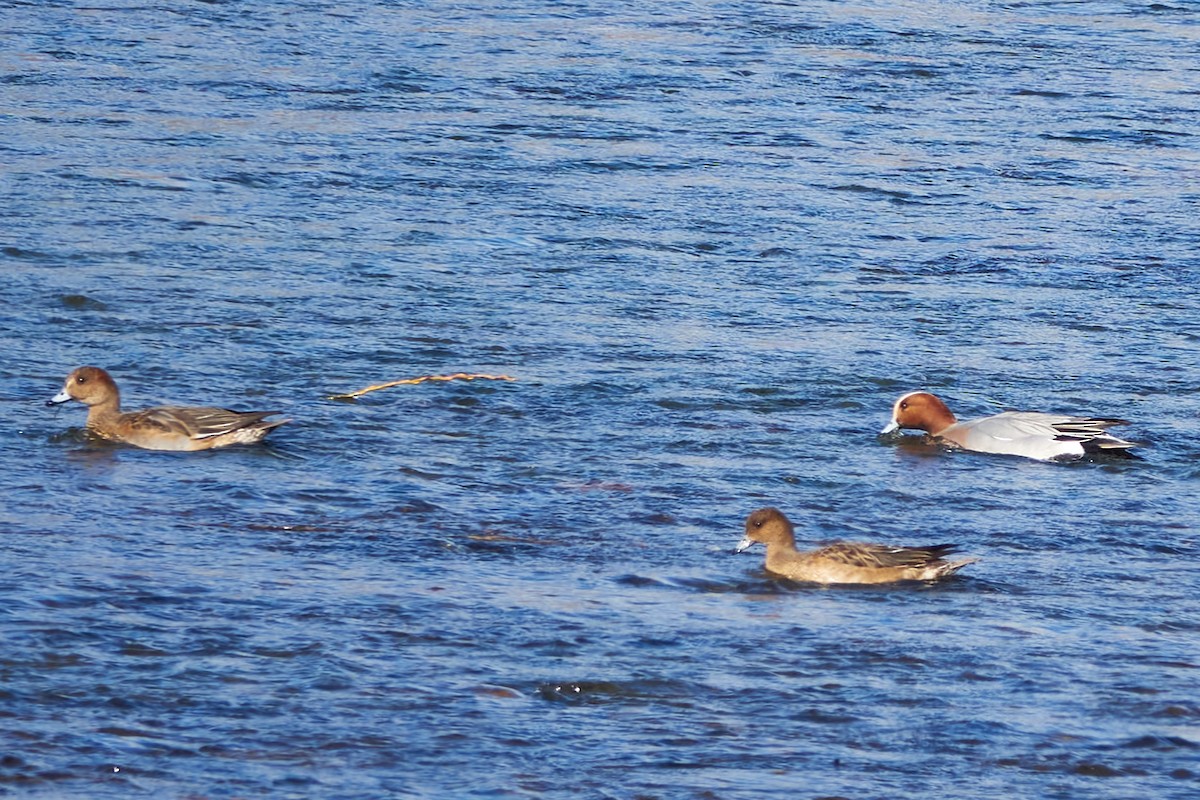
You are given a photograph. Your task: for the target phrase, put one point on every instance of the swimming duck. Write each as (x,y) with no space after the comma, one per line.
(1032,434)
(844,562)
(163,427)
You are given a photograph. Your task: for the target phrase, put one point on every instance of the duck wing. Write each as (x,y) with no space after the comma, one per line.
(196,422)
(1037,434)
(1037,423)
(882,556)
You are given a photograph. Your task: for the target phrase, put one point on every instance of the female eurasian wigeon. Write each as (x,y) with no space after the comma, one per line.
(1033,434)
(844,562)
(164,427)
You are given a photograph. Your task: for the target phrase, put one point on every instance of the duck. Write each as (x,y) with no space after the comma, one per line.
(844,562)
(162,427)
(1031,434)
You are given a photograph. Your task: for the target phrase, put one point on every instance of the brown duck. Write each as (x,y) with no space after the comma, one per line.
(844,562)
(163,427)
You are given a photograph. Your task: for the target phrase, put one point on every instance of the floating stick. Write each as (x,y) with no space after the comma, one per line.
(458,376)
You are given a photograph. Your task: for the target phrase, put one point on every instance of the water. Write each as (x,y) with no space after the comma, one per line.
(712,242)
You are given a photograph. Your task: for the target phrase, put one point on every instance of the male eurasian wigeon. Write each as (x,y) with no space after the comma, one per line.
(844,562)
(164,427)
(1033,434)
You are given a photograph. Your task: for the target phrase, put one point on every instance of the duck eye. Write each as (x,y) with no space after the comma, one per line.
(904,405)
(81,379)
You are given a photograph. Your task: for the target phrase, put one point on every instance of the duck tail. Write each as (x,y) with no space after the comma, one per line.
(942,569)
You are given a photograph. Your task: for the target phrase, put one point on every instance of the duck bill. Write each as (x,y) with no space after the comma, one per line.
(59,398)
(891,427)
(744,544)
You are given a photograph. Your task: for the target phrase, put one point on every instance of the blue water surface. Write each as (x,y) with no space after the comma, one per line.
(712,242)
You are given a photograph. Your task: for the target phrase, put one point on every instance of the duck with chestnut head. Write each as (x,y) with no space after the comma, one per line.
(1032,434)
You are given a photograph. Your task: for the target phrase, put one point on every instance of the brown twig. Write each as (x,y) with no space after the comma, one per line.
(458,376)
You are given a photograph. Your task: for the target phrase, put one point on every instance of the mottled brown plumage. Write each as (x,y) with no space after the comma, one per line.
(844,562)
(163,427)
